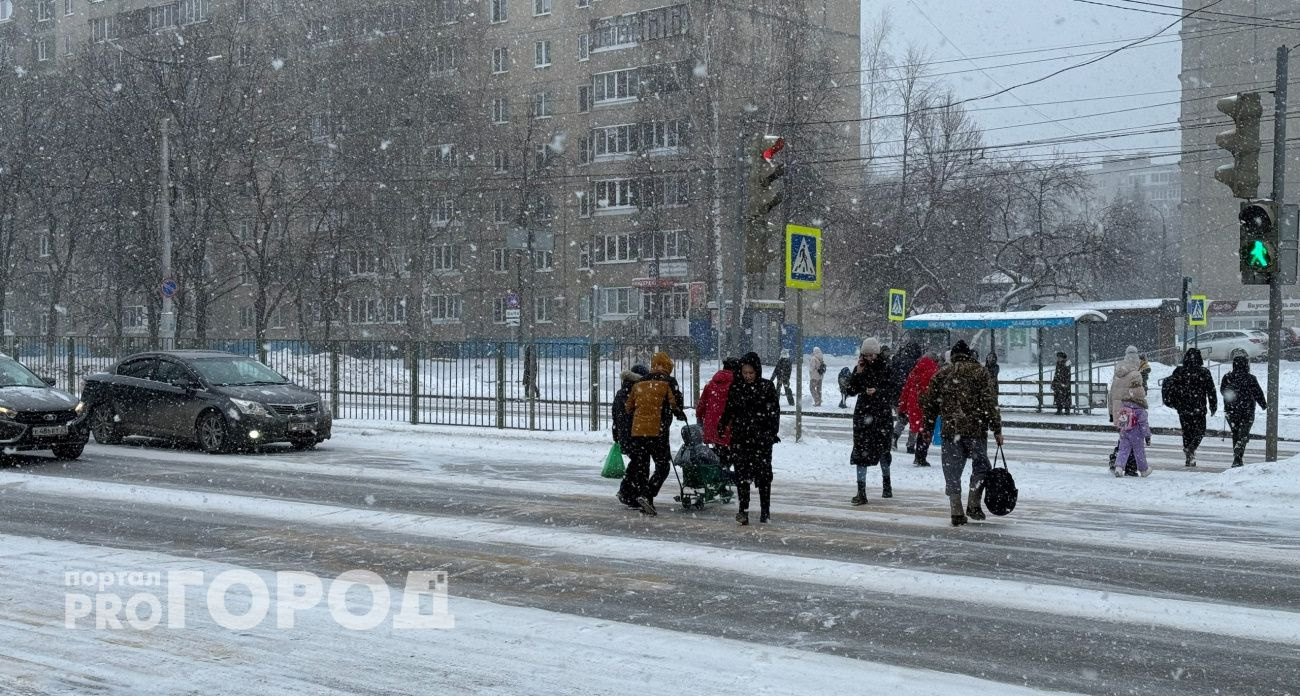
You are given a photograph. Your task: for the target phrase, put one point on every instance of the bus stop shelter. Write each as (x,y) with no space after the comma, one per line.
(1073,322)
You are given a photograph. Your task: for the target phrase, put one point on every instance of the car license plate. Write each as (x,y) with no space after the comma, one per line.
(301,427)
(50,431)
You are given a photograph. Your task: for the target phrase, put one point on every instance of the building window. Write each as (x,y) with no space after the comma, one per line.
(163,17)
(541,7)
(445,156)
(44,10)
(618,302)
(616,32)
(584,150)
(6,10)
(584,99)
(42,49)
(542,307)
(616,86)
(377,310)
(103,29)
(69,7)
(244,10)
(542,54)
(500,110)
(542,105)
(500,260)
(134,318)
(541,156)
(501,162)
(543,261)
(500,60)
(46,244)
(444,58)
(584,256)
(617,248)
(67,45)
(662,135)
(444,308)
(443,210)
(193,11)
(669,244)
(670,191)
(612,141)
(584,46)
(444,257)
(502,210)
(500,10)
(616,194)
(585,204)
(498,310)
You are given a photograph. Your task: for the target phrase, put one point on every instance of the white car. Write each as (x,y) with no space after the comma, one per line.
(1218,345)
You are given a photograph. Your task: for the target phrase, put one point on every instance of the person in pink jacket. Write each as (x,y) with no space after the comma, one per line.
(1128,408)
(708,411)
(909,402)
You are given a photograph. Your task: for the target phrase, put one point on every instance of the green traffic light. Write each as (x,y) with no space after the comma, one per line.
(1259,256)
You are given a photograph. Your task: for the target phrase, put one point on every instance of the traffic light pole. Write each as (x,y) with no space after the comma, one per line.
(1275,278)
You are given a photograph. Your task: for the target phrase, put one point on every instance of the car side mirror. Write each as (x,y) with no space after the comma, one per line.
(49,381)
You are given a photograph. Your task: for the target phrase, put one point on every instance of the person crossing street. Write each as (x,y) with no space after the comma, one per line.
(1241,392)
(653,402)
(964,396)
(1188,391)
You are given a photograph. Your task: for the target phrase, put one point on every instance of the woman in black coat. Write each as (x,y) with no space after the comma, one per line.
(753,413)
(1241,392)
(873,418)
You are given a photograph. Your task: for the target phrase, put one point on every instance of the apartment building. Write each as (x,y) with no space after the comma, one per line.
(572,168)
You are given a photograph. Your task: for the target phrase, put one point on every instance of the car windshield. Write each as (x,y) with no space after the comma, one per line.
(226,372)
(13,374)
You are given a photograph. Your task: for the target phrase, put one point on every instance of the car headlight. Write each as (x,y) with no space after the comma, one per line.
(80,407)
(6,412)
(250,408)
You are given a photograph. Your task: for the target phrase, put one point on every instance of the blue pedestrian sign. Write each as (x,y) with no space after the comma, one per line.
(1198,311)
(803,258)
(169,288)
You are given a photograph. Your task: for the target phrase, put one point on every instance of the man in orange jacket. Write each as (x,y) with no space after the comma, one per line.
(653,402)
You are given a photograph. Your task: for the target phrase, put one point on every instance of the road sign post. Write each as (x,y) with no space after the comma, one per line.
(803,271)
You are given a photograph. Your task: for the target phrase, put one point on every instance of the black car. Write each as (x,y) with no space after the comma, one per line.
(36,416)
(219,401)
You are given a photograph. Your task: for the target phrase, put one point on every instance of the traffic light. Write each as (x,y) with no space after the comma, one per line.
(1242,176)
(1259,241)
(764,171)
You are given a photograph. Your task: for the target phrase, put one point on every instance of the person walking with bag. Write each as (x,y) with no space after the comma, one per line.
(1188,391)
(1241,392)
(963,395)
(816,372)
(623,427)
(653,402)
(1128,411)
(753,417)
(873,418)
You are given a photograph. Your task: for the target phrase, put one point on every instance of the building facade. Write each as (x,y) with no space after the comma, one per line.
(475,169)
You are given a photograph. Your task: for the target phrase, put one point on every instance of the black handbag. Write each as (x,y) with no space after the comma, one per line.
(1000,492)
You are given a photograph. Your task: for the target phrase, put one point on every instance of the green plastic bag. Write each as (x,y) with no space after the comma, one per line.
(614,463)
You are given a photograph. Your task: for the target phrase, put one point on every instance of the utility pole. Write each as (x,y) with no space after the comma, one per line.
(166,322)
(1275,278)
(734,343)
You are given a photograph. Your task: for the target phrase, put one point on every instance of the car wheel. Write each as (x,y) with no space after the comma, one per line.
(68,452)
(104,426)
(211,434)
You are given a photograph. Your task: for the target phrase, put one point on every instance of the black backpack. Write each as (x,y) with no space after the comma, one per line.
(1000,493)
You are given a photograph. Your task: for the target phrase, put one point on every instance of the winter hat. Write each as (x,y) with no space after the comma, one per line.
(870,346)
(640,370)
(960,348)
(817,352)
(661,363)
(785,353)
(731,364)
(1131,351)
(753,361)
(630,376)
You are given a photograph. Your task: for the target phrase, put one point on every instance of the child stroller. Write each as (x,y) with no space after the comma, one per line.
(702,478)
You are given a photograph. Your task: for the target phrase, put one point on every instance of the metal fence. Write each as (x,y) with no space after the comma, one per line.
(551,385)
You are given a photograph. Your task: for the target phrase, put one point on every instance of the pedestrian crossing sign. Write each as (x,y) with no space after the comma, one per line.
(803,258)
(1198,311)
(897,304)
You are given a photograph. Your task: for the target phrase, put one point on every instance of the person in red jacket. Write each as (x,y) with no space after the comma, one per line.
(708,411)
(909,402)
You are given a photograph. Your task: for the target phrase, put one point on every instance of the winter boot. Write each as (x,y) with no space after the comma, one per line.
(958,514)
(742,518)
(887,491)
(973,509)
(861,497)
(647,506)
(922,462)
(764,517)
(911,449)
(1190,458)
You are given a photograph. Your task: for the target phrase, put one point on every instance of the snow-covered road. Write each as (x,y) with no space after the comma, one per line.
(1179,583)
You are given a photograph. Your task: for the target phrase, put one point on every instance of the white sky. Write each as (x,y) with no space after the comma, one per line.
(976,29)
